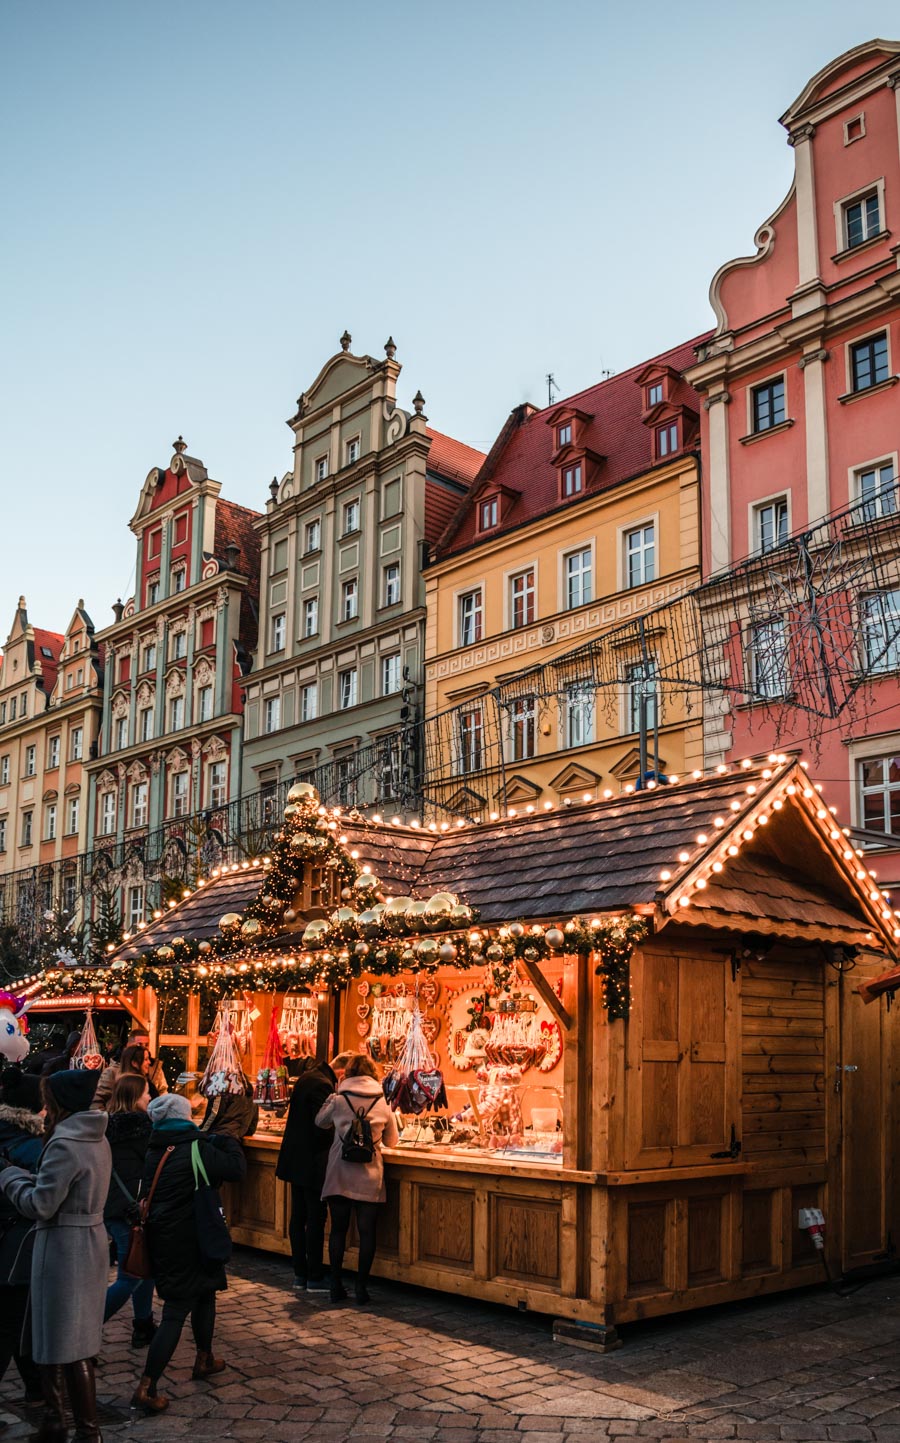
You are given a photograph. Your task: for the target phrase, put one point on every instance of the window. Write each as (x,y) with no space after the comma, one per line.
(12,709)
(640,683)
(2,713)
(351,517)
(471,739)
(654,394)
(347,688)
(176,713)
(76,744)
(564,434)
(311,616)
(521,598)
(4,771)
(767,405)
(27,826)
(321,468)
(640,555)
(279,630)
(30,761)
(179,579)
(522,729)
(470,617)
(353,451)
(217,792)
(180,794)
(881,631)
(272,714)
(391,585)
(53,753)
(667,439)
(120,733)
(572,483)
(153,592)
(869,362)
(72,808)
(309,701)
(145,723)
(280,554)
(876,487)
(878,779)
(862,220)
(50,823)
(579,713)
(207,632)
(346,780)
(312,536)
(107,814)
(389,769)
(70,682)
(578,578)
(770,524)
(391,674)
(768,660)
(179,645)
(349,600)
(204,703)
(135,907)
(23,703)
(2,834)
(123,666)
(139,804)
(148,657)
(487,514)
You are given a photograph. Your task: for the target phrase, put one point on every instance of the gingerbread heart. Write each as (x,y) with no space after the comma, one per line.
(363,1011)
(429,1083)
(430,1028)
(363,988)
(363,1029)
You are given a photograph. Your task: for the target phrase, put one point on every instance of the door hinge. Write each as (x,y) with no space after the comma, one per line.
(734,1149)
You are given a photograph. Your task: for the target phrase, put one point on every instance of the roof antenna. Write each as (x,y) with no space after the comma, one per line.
(551,387)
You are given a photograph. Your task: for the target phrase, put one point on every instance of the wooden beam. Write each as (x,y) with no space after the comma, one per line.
(533,968)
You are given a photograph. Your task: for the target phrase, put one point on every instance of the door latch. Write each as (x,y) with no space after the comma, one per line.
(840,1068)
(733,1151)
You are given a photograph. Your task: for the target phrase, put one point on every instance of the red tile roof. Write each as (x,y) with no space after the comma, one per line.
(453,459)
(521,457)
(49,665)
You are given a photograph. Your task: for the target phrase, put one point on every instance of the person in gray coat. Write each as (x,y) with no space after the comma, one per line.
(70,1262)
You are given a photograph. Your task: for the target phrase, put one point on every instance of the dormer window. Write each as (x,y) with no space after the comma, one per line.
(666,440)
(654,394)
(564,434)
(488,513)
(573,480)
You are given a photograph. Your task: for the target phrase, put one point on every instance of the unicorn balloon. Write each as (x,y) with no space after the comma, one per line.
(13,1026)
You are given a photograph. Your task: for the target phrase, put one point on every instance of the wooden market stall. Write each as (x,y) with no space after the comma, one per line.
(695,1063)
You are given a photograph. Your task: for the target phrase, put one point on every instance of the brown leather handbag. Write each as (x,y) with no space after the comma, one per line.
(137,1259)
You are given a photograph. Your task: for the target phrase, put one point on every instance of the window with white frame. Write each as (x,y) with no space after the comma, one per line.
(770,524)
(654,394)
(488,513)
(76,744)
(767,405)
(869,362)
(2,713)
(579,578)
(50,822)
(153,592)
(4,770)
(881,631)
(573,480)
(2,834)
(392,584)
(345,768)
(107,814)
(180,794)
(579,705)
(353,448)
(135,911)
(878,782)
(667,439)
(469,611)
(272,714)
(279,632)
(176,713)
(73,807)
(179,645)
(350,600)
(179,579)
(312,539)
(347,688)
(351,517)
(640,555)
(53,754)
(641,688)
(148,657)
(30,761)
(217,792)
(204,703)
(12,709)
(27,828)
(309,701)
(564,434)
(321,468)
(311,616)
(120,733)
(862,219)
(69,893)
(768,651)
(139,794)
(391,674)
(522,599)
(145,724)
(521,729)
(388,775)
(470,740)
(876,490)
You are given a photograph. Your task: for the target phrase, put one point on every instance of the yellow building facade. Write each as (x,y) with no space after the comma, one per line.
(582,528)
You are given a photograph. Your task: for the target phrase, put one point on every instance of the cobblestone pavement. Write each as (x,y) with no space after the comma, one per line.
(425,1367)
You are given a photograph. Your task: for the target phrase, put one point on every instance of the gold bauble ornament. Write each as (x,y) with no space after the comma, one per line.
(555,938)
(289,812)
(447,952)
(438,909)
(494,953)
(290,915)
(369,923)
(343,917)
(204,947)
(177,942)
(415,915)
(427,950)
(361,949)
(461,914)
(397,906)
(251,928)
(516,930)
(302,840)
(450,898)
(231,919)
(165,954)
(366,882)
(315,932)
(408,956)
(303,792)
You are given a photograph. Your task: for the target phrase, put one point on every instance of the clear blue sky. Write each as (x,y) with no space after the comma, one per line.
(200,196)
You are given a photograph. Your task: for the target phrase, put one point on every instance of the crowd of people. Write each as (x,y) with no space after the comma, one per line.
(85,1156)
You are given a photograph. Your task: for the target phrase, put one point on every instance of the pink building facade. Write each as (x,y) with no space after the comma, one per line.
(801,419)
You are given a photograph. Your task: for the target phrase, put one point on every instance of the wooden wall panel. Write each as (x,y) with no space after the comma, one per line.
(783,1045)
(647,1228)
(445,1226)
(760,1231)
(526,1239)
(706,1239)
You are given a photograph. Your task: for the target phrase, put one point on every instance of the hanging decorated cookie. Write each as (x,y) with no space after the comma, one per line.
(363,988)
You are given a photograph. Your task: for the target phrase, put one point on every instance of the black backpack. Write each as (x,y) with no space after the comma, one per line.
(358,1144)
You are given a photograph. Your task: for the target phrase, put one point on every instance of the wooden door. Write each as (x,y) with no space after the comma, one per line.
(683,1083)
(864,1074)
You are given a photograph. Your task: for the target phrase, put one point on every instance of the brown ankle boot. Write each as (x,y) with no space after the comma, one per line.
(52,1427)
(145,1400)
(205,1365)
(82,1391)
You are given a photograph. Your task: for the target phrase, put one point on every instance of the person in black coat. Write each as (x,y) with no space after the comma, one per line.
(301,1162)
(185,1282)
(128,1133)
(21,1141)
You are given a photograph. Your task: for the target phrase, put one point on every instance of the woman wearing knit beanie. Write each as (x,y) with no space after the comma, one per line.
(70,1262)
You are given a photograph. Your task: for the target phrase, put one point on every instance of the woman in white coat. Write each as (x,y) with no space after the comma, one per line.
(355,1187)
(70,1262)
